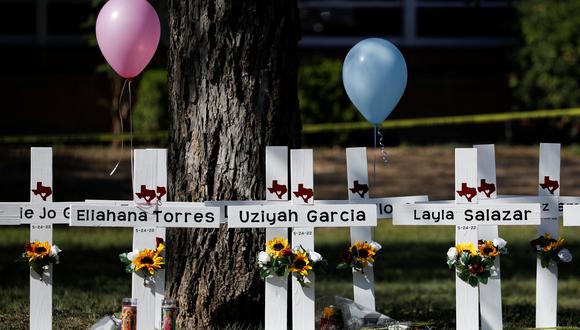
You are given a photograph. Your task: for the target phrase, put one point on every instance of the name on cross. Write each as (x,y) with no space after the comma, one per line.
(303,216)
(43,213)
(135,216)
(465,213)
(550,206)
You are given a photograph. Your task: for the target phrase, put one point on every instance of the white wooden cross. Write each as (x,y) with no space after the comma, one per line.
(358,191)
(277,193)
(276,186)
(149,214)
(467,215)
(552,207)
(303,215)
(489,294)
(41,213)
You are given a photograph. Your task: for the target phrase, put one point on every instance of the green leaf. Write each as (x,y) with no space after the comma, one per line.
(128,269)
(300,279)
(482,278)
(123,258)
(544,260)
(473,281)
(37,267)
(342,265)
(264,273)
(464,275)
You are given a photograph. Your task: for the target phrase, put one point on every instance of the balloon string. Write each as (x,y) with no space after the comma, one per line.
(383,151)
(373,234)
(375,158)
(119,110)
(131,129)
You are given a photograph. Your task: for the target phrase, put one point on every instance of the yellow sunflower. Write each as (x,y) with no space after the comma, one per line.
(466,247)
(487,249)
(365,253)
(300,264)
(276,245)
(554,245)
(149,261)
(160,248)
(36,250)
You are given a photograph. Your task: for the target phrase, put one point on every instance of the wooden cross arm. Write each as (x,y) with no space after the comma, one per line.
(571,215)
(95,215)
(225,205)
(286,216)
(9,214)
(384,204)
(429,214)
(39,213)
(552,206)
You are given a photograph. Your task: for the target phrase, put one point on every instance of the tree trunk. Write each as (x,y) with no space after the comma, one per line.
(232,92)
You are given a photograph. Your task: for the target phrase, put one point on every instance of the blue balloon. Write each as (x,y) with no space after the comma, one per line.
(374,75)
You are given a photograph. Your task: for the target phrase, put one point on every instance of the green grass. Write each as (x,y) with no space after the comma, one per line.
(88,282)
(412,279)
(414,284)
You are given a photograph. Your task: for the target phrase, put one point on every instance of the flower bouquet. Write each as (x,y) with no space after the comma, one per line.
(473,265)
(331,319)
(550,250)
(144,262)
(280,259)
(40,255)
(359,255)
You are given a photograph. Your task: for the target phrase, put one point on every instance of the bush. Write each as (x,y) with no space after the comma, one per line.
(150,111)
(549,56)
(321,94)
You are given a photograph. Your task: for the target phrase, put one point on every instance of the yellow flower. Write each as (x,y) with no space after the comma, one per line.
(36,250)
(328,312)
(487,249)
(276,245)
(300,264)
(554,245)
(466,247)
(365,253)
(149,261)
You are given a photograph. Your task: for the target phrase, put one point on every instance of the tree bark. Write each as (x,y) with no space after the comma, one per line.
(232,92)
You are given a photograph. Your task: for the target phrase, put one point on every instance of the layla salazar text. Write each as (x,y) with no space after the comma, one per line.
(474,215)
(312,216)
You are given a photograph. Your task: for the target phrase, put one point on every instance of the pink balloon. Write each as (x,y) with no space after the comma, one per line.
(128,34)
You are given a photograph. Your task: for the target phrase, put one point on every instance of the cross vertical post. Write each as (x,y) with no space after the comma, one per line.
(276,296)
(150,174)
(547,278)
(357,176)
(302,183)
(466,297)
(41,192)
(489,294)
